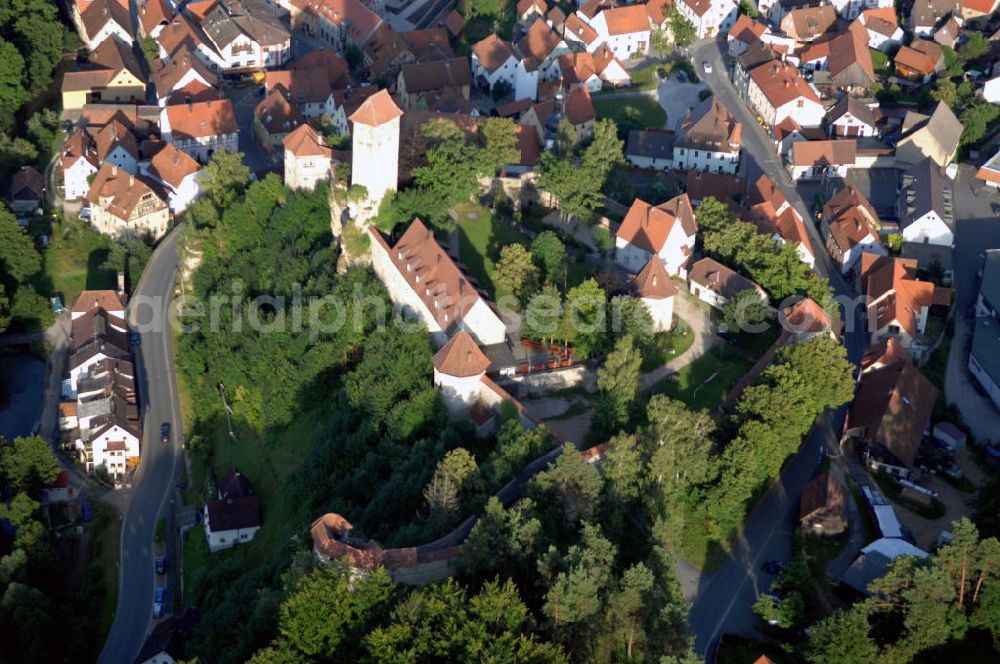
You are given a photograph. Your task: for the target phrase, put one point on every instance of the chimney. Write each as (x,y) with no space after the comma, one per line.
(114,170)
(131,180)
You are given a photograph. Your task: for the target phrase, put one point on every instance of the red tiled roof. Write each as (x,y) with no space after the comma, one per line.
(822,153)
(628,19)
(781,83)
(579,29)
(579,107)
(461,357)
(647,226)
(306,141)
(653,282)
(806,316)
(171,165)
(335,66)
(746,29)
(539,41)
(895,279)
(431,273)
(202,119)
(376,110)
(492,52)
(893,405)
(276,114)
(108,300)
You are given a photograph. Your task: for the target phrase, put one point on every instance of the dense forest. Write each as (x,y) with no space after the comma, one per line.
(40,592)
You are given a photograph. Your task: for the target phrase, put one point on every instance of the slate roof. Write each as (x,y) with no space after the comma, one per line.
(653,143)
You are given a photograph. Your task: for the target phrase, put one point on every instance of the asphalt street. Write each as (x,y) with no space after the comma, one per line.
(152,485)
(723,599)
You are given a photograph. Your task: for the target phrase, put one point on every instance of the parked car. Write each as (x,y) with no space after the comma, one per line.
(706,66)
(85,214)
(161,565)
(772,567)
(165,432)
(158,601)
(133,338)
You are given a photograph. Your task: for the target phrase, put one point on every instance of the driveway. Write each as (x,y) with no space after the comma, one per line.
(699,321)
(245,100)
(677,98)
(977,230)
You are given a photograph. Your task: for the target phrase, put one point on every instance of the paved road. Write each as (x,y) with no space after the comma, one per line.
(155,478)
(722,600)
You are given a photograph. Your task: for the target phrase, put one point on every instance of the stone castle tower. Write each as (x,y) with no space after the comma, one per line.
(375,149)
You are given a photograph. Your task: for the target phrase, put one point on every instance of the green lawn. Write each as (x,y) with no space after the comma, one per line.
(880,63)
(640,111)
(481,236)
(668,345)
(104,553)
(705,382)
(72,262)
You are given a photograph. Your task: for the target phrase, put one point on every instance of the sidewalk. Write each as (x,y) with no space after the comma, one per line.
(699,322)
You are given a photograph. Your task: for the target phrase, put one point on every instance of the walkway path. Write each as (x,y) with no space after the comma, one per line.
(699,322)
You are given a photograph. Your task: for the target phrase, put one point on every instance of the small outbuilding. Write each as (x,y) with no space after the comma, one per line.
(948,436)
(823,507)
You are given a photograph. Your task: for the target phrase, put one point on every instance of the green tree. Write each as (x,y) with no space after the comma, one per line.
(128,255)
(945,91)
(18,257)
(4,314)
(624,470)
(150,49)
(680,28)
(975,46)
(502,541)
(976,117)
(585,318)
(225,178)
(12,92)
(460,467)
(744,312)
(570,486)
(515,447)
(659,41)
(629,607)
(629,316)
(618,382)
(516,273)
(20,509)
(327,611)
(498,139)
(439,622)
(604,152)
(28,464)
(441,502)
(842,638)
(678,443)
(550,253)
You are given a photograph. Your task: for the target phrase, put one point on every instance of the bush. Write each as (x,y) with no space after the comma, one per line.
(602,238)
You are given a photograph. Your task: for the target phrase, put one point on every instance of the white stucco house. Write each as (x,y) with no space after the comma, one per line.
(234,518)
(666,231)
(79,163)
(709,17)
(201,128)
(624,29)
(926,207)
(656,290)
(777,91)
(179,173)
(715,284)
(425,283)
(708,140)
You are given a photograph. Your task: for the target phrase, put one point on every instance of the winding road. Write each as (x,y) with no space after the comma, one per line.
(722,600)
(149,498)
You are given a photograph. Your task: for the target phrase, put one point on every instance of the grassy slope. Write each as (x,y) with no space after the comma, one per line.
(480,241)
(689,384)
